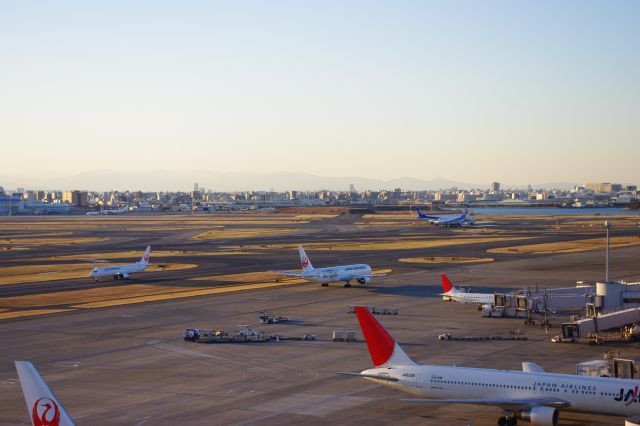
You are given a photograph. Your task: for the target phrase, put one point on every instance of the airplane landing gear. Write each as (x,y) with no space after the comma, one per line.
(507,421)
(325,284)
(348,284)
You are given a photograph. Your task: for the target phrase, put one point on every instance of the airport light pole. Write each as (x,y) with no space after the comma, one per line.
(607,226)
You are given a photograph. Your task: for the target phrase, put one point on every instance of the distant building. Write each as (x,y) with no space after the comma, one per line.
(495,186)
(195,187)
(352,188)
(603,187)
(76,198)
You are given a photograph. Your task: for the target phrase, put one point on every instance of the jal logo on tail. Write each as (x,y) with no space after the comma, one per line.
(146,256)
(45,412)
(305,262)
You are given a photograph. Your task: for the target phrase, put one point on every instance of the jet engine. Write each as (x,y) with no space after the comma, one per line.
(541,416)
(364,280)
(122,276)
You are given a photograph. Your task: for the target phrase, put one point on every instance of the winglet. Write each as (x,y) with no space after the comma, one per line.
(446,284)
(42,405)
(382,348)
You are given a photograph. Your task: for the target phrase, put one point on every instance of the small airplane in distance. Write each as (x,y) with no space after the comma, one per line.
(447,221)
(42,405)
(109,211)
(532,394)
(122,271)
(359,272)
(452,293)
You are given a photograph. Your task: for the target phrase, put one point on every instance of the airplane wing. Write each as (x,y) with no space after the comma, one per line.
(290,273)
(506,404)
(355,277)
(361,277)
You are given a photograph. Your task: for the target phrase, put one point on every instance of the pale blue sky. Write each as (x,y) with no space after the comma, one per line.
(514,91)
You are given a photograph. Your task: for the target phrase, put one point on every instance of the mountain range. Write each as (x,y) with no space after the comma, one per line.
(166,180)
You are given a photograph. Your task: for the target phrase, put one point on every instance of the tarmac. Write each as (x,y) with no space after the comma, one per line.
(124,362)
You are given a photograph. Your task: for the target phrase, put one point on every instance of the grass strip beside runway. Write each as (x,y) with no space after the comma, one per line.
(40,273)
(18,314)
(183,294)
(568,246)
(443,259)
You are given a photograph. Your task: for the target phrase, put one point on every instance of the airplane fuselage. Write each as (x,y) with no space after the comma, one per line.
(473,298)
(122,271)
(597,395)
(337,273)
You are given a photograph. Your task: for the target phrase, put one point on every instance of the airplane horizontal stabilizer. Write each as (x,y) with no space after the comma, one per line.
(290,273)
(371,376)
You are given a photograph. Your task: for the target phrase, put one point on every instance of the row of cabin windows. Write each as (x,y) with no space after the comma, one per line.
(492,385)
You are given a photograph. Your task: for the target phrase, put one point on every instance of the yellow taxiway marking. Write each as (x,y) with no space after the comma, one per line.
(244,277)
(445,259)
(70,297)
(242,233)
(568,246)
(183,294)
(39,273)
(134,256)
(18,314)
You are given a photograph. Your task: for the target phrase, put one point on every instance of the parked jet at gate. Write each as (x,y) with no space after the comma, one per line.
(531,395)
(122,271)
(359,272)
(452,293)
(42,405)
(447,221)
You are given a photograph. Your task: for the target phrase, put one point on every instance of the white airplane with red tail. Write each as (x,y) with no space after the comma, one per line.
(43,406)
(452,293)
(122,272)
(532,395)
(347,273)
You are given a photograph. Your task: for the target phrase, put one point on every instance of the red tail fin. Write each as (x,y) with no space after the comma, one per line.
(379,342)
(446,284)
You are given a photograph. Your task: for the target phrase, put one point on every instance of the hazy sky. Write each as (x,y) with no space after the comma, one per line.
(513,91)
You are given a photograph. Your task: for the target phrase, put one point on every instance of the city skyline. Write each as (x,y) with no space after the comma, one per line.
(520,93)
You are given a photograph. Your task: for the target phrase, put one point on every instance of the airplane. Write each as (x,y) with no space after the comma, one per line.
(452,293)
(109,212)
(42,405)
(447,221)
(532,394)
(359,272)
(122,271)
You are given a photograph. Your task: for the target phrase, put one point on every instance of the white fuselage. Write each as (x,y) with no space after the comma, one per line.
(337,273)
(473,298)
(598,395)
(122,271)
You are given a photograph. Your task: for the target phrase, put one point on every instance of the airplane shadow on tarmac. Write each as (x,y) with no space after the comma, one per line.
(416,290)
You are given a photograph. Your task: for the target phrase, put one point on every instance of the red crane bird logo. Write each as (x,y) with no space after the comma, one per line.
(40,413)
